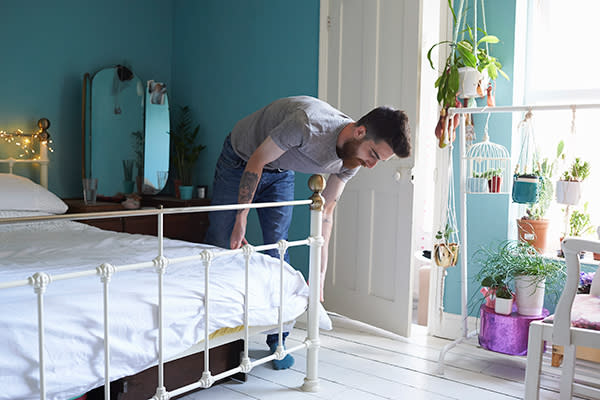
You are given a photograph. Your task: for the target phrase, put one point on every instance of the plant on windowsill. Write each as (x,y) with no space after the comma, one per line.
(568,188)
(185,151)
(466,72)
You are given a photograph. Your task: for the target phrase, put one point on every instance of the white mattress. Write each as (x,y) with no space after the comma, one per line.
(73,309)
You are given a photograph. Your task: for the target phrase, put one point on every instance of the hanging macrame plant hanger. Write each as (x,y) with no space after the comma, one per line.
(446,248)
(527,179)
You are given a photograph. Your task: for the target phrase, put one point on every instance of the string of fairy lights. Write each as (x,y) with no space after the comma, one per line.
(26,142)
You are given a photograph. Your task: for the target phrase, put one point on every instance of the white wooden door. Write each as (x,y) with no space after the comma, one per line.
(370,56)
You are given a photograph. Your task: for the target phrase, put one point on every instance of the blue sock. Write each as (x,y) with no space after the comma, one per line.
(288,360)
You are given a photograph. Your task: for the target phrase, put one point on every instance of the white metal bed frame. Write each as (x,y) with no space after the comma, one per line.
(40,280)
(466,335)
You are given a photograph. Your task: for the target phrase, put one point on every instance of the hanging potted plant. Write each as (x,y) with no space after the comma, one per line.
(463,73)
(185,152)
(445,251)
(568,188)
(533,226)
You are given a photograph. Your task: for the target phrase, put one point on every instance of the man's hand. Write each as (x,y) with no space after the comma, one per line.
(238,234)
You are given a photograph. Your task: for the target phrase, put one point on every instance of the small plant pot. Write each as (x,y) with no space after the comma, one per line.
(530,296)
(597,256)
(534,232)
(477,185)
(568,192)
(503,306)
(186,192)
(472,83)
(494,184)
(445,254)
(526,189)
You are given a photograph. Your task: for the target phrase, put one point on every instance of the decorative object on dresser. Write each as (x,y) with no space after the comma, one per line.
(190,227)
(119,122)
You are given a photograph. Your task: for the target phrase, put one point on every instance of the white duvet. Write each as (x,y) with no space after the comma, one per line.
(73,308)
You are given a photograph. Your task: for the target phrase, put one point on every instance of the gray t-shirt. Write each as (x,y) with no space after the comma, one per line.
(304,127)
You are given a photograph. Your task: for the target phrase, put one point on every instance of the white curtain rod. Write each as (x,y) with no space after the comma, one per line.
(506,109)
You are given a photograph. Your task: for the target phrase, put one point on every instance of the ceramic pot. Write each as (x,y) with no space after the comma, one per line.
(472,83)
(185,192)
(445,254)
(530,297)
(526,189)
(477,185)
(494,184)
(568,192)
(503,306)
(534,232)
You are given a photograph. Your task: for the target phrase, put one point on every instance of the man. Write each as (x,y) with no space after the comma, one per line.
(301,134)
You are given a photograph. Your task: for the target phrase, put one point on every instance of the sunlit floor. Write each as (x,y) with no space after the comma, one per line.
(361,362)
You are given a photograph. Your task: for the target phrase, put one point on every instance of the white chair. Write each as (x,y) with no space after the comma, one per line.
(561,331)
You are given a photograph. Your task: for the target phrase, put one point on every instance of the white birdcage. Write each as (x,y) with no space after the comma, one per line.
(488,167)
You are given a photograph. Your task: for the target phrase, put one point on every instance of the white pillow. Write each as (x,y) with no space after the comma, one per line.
(18,193)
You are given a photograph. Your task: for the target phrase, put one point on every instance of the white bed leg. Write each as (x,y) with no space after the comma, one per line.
(535,347)
(311,381)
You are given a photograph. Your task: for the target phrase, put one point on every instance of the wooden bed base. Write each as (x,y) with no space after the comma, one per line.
(178,373)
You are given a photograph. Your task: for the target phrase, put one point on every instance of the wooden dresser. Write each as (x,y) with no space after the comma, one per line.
(186,226)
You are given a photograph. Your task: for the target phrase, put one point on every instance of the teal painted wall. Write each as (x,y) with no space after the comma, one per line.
(487,215)
(47,47)
(231,58)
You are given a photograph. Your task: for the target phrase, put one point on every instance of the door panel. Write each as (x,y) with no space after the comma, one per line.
(372,59)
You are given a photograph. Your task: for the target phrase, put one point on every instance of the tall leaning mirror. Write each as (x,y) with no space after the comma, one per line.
(125,129)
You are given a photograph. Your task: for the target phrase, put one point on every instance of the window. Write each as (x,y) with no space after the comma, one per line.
(561,65)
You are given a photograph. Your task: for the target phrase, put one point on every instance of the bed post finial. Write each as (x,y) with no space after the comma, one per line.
(317,184)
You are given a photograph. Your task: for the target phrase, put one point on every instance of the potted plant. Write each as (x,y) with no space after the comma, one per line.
(533,226)
(494,179)
(517,262)
(477,183)
(534,275)
(185,151)
(445,252)
(568,188)
(494,274)
(466,59)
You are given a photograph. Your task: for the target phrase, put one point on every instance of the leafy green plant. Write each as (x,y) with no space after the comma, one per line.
(578,171)
(489,174)
(183,145)
(445,234)
(580,222)
(463,53)
(545,170)
(501,263)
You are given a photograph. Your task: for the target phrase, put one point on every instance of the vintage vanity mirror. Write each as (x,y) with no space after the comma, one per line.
(125,132)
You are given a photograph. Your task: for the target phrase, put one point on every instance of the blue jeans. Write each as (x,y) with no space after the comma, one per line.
(273,186)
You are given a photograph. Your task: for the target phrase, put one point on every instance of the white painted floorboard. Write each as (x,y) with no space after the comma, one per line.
(365,363)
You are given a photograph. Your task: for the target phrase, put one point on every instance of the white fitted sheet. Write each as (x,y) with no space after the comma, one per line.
(73,309)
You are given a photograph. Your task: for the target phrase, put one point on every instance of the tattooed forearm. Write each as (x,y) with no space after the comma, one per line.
(248,185)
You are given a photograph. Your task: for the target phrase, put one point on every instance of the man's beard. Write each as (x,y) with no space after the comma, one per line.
(348,153)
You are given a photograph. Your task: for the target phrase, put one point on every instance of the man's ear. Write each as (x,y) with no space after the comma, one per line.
(360,132)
